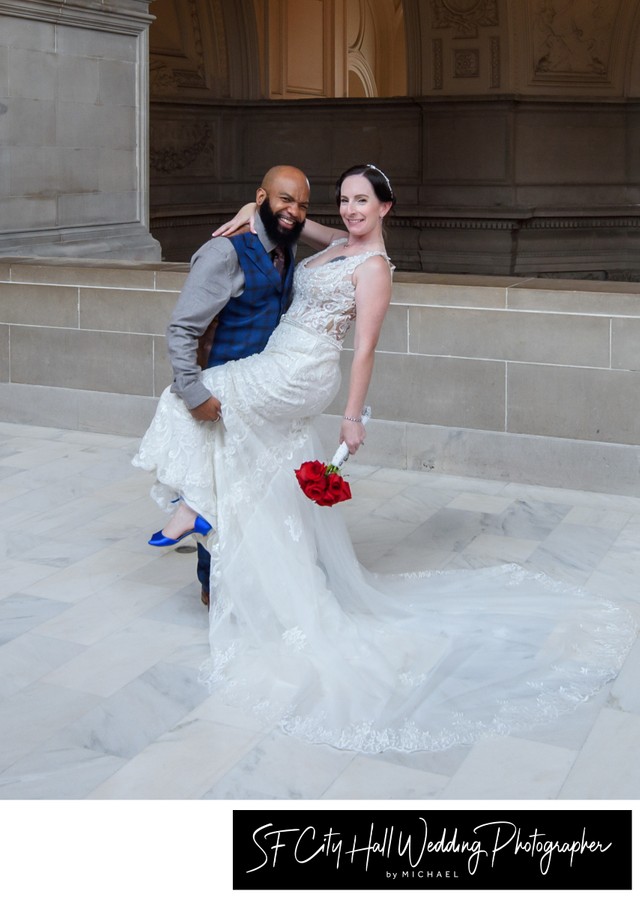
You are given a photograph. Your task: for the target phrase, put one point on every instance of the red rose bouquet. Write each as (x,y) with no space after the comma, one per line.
(322,483)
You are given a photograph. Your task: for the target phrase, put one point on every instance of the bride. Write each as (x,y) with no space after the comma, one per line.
(300,633)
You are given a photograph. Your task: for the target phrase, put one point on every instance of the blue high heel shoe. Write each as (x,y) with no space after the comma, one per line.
(201,526)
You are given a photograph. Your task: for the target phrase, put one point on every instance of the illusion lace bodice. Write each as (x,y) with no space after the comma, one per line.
(324,295)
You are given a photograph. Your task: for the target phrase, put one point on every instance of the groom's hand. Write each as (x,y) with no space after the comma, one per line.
(207,411)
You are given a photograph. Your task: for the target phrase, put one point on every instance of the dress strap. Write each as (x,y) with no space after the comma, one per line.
(362,257)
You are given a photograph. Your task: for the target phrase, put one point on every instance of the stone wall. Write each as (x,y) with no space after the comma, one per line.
(74,124)
(526,380)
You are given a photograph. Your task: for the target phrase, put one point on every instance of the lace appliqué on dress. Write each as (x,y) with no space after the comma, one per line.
(324,296)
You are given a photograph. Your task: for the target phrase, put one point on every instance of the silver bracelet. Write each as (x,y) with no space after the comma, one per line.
(355,420)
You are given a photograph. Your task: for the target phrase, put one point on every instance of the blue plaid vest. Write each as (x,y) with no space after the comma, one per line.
(247,321)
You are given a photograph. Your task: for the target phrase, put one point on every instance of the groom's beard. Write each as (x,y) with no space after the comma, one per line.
(280,236)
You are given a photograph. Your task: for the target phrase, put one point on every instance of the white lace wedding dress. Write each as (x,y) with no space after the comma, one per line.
(305,637)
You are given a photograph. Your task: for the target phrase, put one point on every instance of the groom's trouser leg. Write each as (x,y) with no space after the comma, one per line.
(204,567)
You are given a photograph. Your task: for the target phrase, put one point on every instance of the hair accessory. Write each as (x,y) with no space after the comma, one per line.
(379,170)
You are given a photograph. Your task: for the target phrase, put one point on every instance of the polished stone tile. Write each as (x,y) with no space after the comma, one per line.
(370,553)
(572,551)
(101,647)
(367,777)
(607,519)
(16,576)
(185,763)
(5,471)
(131,718)
(164,567)
(402,559)
(182,607)
(34,714)
(376,529)
(88,576)
(48,549)
(64,773)
(447,530)
(490,504)
(215,709)
(439,763)
(103,613)
(497,549)
(20,613)
(136,648)
(71,519)
(457,484)
(526,519)
(10,489)
(607,765)
(409,507)
(282,767)
(618,574)
(625,693)
(580,498)
(528,770)
(33,432)
(28,657)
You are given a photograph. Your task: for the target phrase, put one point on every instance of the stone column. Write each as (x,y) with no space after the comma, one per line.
(73,129)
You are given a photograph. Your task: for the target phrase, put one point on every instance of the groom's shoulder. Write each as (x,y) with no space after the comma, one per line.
(217,248)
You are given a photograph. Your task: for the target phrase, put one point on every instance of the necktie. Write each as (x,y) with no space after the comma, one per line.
(279,260)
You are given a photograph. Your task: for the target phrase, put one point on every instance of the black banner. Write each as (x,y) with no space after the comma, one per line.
(426,849)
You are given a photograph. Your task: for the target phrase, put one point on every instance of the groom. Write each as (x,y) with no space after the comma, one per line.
(234,296)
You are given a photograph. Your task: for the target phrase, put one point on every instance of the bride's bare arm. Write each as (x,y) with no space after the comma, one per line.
(319,236)
(314,234)
(244,216)
(373,295)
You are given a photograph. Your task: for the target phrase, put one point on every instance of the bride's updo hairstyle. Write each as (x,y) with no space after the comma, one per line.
(375,176)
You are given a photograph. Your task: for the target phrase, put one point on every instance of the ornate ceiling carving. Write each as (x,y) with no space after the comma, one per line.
(465,16)
(178,145)
(188,48)
(574,36)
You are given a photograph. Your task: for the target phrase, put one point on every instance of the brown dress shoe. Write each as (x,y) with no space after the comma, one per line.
(204,596)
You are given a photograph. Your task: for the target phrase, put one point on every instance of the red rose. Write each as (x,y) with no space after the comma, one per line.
(322,484)
(310,472)
(315,491)
(325,499)
(338,488)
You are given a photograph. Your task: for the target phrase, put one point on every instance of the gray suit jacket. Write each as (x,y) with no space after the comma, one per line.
(215,277)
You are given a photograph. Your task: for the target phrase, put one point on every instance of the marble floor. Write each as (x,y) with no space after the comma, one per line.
(101,638)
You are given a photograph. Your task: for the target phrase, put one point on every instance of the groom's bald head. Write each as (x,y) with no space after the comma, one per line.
(283,200)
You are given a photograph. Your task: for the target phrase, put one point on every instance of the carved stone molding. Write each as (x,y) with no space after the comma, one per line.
(583,222)
(130,17)
(437,63)
(180,60)
(178,147)
(469,224)
(466,63)
(162,79)
(525,223)
(495,77)
(573,38)
(574,275)
(465,16)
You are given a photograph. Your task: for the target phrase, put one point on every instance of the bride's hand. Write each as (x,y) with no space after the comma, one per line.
(352,433)
(244,216)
